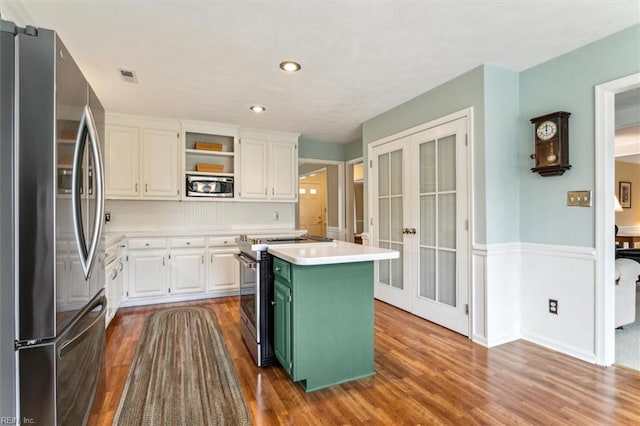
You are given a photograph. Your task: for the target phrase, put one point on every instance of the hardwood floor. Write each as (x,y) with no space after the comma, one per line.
(425,374)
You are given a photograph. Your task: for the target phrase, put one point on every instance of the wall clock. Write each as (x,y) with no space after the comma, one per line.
(551,136)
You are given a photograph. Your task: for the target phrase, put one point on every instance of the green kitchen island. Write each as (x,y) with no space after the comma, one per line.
(324,311)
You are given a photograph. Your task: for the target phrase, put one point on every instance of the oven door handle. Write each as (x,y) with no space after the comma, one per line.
(246,261)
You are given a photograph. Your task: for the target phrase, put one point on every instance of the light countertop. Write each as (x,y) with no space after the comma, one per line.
(340,252)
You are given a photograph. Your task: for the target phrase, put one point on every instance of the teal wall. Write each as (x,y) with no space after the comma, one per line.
(567,83)
(510,203)
(462,92)
(353,150)
(317,150)
(502,194)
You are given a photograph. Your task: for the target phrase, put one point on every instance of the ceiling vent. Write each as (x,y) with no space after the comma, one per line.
(128,76)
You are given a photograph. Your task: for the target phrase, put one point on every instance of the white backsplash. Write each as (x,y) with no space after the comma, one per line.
(193,215)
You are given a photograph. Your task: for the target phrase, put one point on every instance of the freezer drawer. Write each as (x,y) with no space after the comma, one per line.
(76,356)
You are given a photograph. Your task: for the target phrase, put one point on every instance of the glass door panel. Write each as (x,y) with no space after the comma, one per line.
(437,168)
(390,214)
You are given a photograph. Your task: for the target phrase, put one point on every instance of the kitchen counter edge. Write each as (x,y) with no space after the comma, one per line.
(341,252)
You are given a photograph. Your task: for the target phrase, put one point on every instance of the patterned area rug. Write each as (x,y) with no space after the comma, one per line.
(182,374)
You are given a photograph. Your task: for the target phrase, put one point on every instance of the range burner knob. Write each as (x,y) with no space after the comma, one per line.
(243,237)
(256,241)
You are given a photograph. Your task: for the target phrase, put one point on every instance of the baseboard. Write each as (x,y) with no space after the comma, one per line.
(480,340)
(177,298)
(497,341)
(559,347)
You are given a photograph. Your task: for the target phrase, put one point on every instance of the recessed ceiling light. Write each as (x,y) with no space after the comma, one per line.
(257,108)
(290,66)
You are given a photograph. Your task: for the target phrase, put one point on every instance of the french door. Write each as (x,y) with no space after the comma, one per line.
(419,207)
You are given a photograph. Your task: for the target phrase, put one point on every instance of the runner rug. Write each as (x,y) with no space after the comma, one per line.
(182,374)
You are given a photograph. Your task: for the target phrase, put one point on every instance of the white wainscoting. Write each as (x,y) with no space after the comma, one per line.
(565,274)
(192,215)
(512,285)
(496,293)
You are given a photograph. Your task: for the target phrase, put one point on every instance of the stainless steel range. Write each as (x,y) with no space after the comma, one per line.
(256,290)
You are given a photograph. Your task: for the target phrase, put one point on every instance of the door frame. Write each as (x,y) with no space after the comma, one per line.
(349,212)
(467,114)
(325,197)
(604,213)
(340,164)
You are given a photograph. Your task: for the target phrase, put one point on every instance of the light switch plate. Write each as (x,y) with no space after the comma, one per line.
(579,198)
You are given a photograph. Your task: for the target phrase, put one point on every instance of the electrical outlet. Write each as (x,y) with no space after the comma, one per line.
(276,216)
(553,306)
(107,217)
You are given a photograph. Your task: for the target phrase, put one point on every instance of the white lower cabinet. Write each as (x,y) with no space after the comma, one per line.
(173,269)
(223,270)
(187,271)
(147,273)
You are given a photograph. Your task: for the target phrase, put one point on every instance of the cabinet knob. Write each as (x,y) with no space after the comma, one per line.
(273,303)
(278,269)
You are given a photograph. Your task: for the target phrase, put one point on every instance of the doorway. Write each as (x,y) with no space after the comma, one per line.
(627,221)
(354,211)
(312,202)
(605,219)
(331,213)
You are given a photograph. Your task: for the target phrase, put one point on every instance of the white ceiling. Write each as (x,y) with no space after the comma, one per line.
(211,60)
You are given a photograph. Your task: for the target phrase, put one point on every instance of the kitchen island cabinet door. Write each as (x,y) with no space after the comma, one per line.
(282,332)
(147,273)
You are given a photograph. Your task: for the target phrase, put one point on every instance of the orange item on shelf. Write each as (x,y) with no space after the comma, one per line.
(208,146)
(211,168)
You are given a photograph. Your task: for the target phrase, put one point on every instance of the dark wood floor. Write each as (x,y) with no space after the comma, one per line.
(425,374)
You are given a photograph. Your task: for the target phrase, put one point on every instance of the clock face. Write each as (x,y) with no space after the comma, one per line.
(546,130)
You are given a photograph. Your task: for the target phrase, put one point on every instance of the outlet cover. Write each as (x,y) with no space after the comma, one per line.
(553,306)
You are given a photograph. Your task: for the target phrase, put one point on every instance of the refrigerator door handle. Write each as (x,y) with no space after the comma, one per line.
(86,128)
(69,344)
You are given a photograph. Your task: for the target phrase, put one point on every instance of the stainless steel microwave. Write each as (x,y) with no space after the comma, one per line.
(209,186)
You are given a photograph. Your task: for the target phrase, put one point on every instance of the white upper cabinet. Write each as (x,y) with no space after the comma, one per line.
(253,166)
(284,170)
(268,163)
(159,163)
(141,158)
(152,159)
(122,161)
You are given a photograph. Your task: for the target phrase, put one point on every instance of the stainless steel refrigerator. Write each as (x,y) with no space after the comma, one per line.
(52,302)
